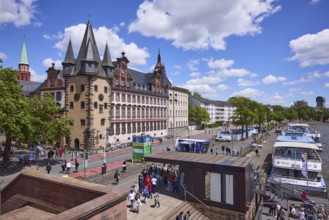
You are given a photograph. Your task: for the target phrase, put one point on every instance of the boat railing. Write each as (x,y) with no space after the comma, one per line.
(316,179)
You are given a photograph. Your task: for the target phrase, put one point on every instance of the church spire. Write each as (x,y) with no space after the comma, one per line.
(159,57)
(23,65)
(24,59)
(69,57)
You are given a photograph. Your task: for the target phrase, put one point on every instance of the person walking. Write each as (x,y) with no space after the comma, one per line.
(76,164)
(157,199)
(145,194)
(68,167)
(212,151)
(180,216)
(48,168)
(117,177)
(187,215)
(131,198)
(217,151)
(63,165)
(124,167)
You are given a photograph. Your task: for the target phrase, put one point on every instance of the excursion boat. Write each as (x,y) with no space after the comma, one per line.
(304,129)
(288,166)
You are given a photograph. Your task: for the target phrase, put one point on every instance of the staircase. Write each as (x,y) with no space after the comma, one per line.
(184,207)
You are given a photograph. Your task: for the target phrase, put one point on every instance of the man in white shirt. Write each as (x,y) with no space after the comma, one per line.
(154,184)
(131,197)
(68,167)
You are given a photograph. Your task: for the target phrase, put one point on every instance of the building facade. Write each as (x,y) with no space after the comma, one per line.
(219,111)
(178,111)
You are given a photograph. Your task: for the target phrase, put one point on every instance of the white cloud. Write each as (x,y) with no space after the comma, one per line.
(243,82)
(37,77)
(253,75)
(48,63)
(301,80)
(249,93)
(326,74)
(293,89)
(234,73)
(311,49)
(290,95)
(3,56)
(136,55)
(314,75)
(205,90)
(18,12)
(314,2)
(222,87)
(195,74)
(276,98)
(307,93)
(220,64)
(190,29)
(122,24)
(193,65)
(326,85)
(59,35)
(273,79)
(178,67)
(211,79)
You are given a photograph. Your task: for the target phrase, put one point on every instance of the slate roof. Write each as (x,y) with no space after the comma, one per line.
(69,57)
(29,86)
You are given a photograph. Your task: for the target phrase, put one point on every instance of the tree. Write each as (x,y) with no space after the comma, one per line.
(47,123)
(14,117)
(244,113)
(196,94)
(302,109)
(198,115)
(262,112)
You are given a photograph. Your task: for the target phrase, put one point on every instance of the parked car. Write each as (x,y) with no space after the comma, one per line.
(224,138)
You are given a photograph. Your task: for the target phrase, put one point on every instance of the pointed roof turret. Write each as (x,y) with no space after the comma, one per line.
(159,57)
(88,52)
(24,59)
(107,61)
(69,57)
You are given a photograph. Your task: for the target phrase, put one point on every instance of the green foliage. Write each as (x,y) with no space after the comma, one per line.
(196,94)
(197,115)
(303,110)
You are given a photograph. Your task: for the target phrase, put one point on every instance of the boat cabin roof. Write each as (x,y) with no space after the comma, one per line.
(295,145)
(295,138)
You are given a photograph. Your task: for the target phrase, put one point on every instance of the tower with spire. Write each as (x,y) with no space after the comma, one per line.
(23,66)
(87,89)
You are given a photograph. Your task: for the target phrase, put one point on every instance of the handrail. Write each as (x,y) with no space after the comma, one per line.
(198,200)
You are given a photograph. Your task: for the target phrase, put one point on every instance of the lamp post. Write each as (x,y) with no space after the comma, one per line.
(173,100)
(232,141)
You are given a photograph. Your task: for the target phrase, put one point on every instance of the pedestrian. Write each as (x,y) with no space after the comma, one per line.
(76,164)
(278,208)
(157,199)
(223,149)
(303,197)
(68,167)
(131,198)
(175,185)
(168,148)
(138,202)
(145,194)
(136,187)
(217,151)
(180,216)
(63,165)
(48,168)
(117,177)
(154,181)
(124,166)
(257,152)
(212,151)
(271,211)
(187,216)
(226,149)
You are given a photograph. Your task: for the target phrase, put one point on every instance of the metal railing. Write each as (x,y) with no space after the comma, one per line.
(197,199)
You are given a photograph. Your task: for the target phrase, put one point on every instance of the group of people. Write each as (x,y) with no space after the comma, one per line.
(181,216)
(66,166)
(307,211)
(225,150)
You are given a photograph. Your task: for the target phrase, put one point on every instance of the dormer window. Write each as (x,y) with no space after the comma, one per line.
(52,81)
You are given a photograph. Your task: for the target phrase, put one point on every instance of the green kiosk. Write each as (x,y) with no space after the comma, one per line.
(142,146)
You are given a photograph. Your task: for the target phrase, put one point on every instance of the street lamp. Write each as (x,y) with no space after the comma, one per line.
(173,100)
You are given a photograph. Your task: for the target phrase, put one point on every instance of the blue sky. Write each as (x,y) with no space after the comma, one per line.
(274,52)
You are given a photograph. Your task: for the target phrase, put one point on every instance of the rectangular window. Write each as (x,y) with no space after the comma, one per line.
(58,96)
(143,100)
(83,122)
(118,97)
(103,121)
(134,99)
(151,100)
(128,98)
(129,128)
(100,108)
(71,105)
(123,112)
(105,105)
(95,88)
(112,96)
(117,128)
(123,96)
(105,89)
(138,99)
(147,100)
(117,112)
(71,88)
(82,87)
(95,105)
(82,104)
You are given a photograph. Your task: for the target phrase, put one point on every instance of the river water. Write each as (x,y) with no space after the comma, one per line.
(323,128)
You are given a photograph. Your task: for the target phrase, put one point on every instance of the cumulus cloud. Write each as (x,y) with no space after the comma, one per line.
(314,75)
(195,74)
(234,72)
(294,82)
(211,79)
(314,2)
(18,12)
(136,55)
(276,98)
(243,82)
(307,93)
(36,76)
(3,56)
(205,90)
(49,61)
(248,92)
(222,87)
(311,49)
(193,65)
(326,85)
(192,30)
(220,64)
(273,79)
